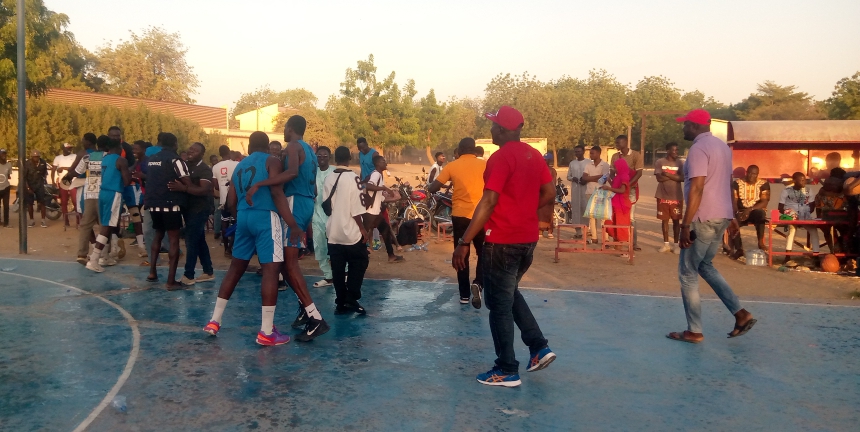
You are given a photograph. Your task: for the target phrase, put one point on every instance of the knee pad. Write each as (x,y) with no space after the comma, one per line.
(134,212)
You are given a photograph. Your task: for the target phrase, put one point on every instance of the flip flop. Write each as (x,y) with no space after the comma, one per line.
(321,283)
(742,330)
(675,336)
(151,279)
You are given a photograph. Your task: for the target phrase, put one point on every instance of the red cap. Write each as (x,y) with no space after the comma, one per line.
(697,116)
(507,117)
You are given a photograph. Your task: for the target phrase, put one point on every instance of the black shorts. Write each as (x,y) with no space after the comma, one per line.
(166,220)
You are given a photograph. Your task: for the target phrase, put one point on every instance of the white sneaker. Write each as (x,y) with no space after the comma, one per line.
(676,249)
(95,267)
(665,248)
(107,262)
(44,225)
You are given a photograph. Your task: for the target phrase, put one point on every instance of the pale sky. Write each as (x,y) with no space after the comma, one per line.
(723,48)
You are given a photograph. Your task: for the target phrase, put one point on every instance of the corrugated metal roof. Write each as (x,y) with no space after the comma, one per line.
(206,117)
(794,131)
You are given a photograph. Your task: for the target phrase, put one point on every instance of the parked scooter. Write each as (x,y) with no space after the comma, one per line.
(562,210)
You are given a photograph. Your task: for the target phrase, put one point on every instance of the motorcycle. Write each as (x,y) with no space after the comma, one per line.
(52,203)
(441,211)
(562,211)
(409,205)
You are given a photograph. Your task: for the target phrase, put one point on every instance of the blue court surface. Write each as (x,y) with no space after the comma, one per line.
(70,340)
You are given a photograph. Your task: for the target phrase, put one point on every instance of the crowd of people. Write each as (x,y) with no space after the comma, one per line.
(284,199)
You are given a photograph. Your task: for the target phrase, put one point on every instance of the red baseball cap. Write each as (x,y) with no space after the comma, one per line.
(507,117)
(697,116)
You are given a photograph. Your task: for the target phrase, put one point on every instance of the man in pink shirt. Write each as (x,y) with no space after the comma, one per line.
(516,183)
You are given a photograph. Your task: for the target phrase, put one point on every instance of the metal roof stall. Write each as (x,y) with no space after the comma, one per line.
(781,148)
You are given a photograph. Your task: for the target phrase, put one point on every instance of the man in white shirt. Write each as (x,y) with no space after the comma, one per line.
(592,173)
(373,202)
(577,186)
(436,168)
(223,172)
(347,237)
(61,165)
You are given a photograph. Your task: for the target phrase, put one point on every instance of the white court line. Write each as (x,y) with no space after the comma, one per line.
(437,280)
(132,358)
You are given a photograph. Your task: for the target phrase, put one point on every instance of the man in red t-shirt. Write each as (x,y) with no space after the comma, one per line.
(516,182)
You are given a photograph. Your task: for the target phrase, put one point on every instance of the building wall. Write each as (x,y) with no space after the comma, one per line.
(262,119)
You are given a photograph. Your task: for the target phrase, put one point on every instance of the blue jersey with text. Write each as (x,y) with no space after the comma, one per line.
(251,170)
(304,183)
(111,176)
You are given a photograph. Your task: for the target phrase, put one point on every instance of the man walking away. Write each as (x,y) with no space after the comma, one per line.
(516,183)
(594,171)
(259,230)
(466,175)
(196,213)
(165,206)
(436,169)
(346,234)
(61,165)
(320,219)
(115,176)
(634,161)
(707,192)
(5,185)
(578,187)
(670,195)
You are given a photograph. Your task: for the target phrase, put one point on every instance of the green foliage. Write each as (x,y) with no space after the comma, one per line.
(776,102)
(50,124)
(845,102)
(54,59)
(150,66)
(319,130)
(298,99)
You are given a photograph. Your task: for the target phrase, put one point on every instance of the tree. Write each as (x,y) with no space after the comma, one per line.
(607,113)
(696,99)
(432,120)
(776,102)
(656,93)
(54,58)
(376,109)
(845,102)
(151,65)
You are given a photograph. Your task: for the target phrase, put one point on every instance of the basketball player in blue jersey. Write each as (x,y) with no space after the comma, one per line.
(115,176)
(298,180)
(259,230)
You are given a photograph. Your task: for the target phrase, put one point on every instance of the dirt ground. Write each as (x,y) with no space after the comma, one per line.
(652,272)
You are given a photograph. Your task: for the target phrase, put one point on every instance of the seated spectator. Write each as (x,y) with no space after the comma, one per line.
(830,198)
(795,201)
(750,196)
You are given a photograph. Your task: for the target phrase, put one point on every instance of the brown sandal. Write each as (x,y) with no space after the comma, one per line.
(682,337)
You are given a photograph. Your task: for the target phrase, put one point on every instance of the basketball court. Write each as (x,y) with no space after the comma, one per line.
(71,340)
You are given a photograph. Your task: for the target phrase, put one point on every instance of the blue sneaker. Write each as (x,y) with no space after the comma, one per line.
(495,377)
(541,360)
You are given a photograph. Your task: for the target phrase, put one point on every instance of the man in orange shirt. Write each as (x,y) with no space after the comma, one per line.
(467,177)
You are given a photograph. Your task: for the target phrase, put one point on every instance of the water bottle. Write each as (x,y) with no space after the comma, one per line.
(119,403)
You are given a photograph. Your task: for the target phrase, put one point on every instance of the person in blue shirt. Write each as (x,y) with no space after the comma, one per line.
(260,213)
(299,185)
(365,158)
(115,177)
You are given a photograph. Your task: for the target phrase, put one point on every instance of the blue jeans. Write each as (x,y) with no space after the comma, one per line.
(697,260)
(195,242)
(503,267)
(216,218)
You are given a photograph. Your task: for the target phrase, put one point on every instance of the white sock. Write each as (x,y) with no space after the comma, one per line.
(268,320)
(220,305)
(95,255)
(312,311)
(140,244)
(666,243)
